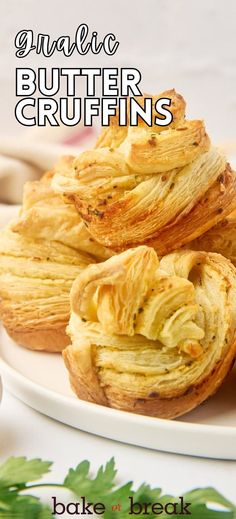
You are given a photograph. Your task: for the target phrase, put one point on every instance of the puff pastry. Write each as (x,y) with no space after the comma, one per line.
(35,281)
(114,135)
(41,253)
(150,337)
(158,186)
(221,238)
(45,215)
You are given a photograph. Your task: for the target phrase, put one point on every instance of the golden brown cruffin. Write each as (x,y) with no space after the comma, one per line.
(159,187)
(221,238)
(113,135)
(41,253)
(46,216)
(35,282)
(150,337)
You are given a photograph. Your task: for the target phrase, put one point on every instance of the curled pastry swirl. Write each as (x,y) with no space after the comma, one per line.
(152,337)
(159,186)
(41,253)
(46,216)
(221,238)
(114,135)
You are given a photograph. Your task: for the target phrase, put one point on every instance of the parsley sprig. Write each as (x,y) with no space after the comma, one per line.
(17,485)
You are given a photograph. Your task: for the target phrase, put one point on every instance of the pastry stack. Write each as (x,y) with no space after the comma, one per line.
(123,257)
(41,254)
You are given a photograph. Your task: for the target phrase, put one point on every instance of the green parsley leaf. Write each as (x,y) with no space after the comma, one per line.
(202,512)
(29,507)
(79,481)
(16,500)
(23,507)
(18,471)
(207,495)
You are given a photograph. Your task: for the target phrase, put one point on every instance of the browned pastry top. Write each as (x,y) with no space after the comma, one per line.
(150,337)
(160,186)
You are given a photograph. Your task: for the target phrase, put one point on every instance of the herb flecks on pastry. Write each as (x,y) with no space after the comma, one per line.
(46,216)
(35,282)
(151,337)
(158,186)
(41,253)
(221,238)
(113,135)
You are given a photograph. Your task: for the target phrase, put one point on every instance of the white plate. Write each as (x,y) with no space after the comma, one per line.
(40,380)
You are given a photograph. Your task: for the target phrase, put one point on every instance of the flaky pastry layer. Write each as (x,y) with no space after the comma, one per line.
(41,253)
(159,186)
(151,337)
(46,216)
(113,135)
(35,282)
(221,238)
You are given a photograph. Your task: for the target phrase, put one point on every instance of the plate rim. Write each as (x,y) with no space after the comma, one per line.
(165,435)
(100,409)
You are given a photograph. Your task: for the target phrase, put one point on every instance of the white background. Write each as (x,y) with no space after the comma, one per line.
(189,45)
